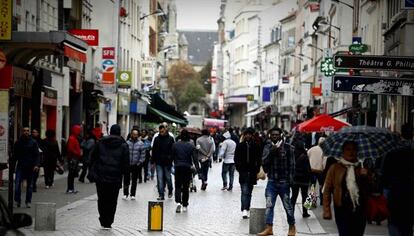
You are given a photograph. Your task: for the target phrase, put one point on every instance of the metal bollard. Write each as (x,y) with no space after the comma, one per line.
(155,216)
(45,216)
(257,221)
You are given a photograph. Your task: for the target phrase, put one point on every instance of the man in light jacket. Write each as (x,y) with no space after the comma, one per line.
(136,160)
(317,162)
(227,150)
(205,146)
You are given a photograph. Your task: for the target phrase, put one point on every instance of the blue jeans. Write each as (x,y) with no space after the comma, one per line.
(163,178)
(20,176)
(282,189)
(228,168)
(246,195)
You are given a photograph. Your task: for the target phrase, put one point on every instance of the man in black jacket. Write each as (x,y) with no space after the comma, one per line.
(161,156)
(247,161)
(109,163)
(26,154)
(185,159)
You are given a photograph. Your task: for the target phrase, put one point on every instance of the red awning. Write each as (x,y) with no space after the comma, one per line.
(74,53)
(321,123)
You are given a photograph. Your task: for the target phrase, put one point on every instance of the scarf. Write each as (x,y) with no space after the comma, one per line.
(351,181)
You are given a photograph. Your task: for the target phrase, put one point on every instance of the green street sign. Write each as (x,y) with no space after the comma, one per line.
(124,79)
(327,66)
(360,48)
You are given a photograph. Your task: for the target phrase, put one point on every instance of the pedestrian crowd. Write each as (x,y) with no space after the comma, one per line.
(354,187)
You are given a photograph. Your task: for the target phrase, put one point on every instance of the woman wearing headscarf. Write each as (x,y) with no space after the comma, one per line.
(348,182)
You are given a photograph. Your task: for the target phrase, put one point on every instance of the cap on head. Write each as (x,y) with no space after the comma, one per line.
(115,130)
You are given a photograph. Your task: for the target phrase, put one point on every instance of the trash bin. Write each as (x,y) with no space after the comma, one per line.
(45,216)
(155,215)
(257,221)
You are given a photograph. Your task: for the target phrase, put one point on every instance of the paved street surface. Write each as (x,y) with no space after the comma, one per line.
(213,212)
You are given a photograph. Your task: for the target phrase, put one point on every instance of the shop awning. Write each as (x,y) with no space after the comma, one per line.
(255,112)
(209,122)
(167,117)
(29,47)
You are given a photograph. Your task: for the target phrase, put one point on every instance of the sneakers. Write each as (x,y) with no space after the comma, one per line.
(125,197)
(245,214)
(178,209)
(230,188)
(132,198)
(184,209)
(223,188)
(47,187)
(160,198)
(170,195)
(106,227)
(28,205)
(71,191)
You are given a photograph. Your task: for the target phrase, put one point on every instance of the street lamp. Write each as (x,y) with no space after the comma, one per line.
(313,46)
(157,12)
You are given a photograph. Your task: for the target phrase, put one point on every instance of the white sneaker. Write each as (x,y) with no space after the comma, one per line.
(125,197)
(133,198)
(245,214)
(178,210)
(184,209)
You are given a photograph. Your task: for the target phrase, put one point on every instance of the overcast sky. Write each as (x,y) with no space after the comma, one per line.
(197,14)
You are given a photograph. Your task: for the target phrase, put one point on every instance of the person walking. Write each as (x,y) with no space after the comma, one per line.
(398,181)
(278,164)
(147,146)
(136,159)
(348,182)
(185,160)
(51,156)
(108,164)
(36,137)
(26,154)
(73,154)
(226,153)
(247,162)
(317,163)
(161,156)
(301,176)
(87,146)
(205,147)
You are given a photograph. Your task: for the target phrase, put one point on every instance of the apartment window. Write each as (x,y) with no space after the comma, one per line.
(275,35)
(240,27)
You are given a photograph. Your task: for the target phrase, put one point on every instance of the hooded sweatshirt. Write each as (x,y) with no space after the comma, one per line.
(73,150)
(227,149)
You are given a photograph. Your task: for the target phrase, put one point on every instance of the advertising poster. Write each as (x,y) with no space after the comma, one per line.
(4,125)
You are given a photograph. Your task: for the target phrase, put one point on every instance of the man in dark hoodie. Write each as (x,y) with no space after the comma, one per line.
(26,154)
(73,154)
(161,156)
(109,162)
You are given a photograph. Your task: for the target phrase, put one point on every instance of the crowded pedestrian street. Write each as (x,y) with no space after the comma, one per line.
(210,212)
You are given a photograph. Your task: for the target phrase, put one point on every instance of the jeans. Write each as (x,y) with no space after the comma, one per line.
(107,201)
(400,229)
(350,222)
(183,176)
(304,193)
(132,175)
(228,168)
(278,188)
(204,171)
(246,195)
(20,176)
(164,178)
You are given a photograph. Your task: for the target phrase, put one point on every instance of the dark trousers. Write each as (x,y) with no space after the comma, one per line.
(145,166)
(49,175)
(20,176)
(107,201)
(72,174)
(34,180)
(183,177)
(204,171)
(84,172)
(131,177)
(303,192)
(349,222)
(318,177)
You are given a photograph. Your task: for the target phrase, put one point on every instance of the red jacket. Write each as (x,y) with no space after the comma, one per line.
(73,147)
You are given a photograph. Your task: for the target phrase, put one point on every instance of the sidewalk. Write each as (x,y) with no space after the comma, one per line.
(213,212)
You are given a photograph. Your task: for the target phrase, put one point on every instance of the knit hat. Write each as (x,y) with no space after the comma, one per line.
(115,130)
(227,135)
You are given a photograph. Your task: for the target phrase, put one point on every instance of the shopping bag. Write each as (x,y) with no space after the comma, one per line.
(377,209)
(311,199)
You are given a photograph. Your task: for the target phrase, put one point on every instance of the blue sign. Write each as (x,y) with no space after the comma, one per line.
(408,4)
(356,40)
